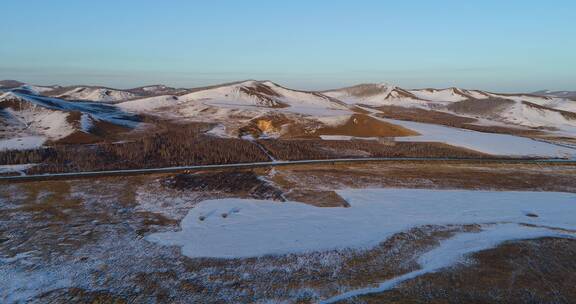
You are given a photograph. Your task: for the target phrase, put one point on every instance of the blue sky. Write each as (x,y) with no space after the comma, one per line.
(496,45)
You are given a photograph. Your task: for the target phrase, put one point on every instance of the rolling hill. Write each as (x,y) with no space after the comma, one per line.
(264,107)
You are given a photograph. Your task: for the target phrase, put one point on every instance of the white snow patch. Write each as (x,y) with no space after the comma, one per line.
(15,168)
(86,122)
(256,228)
(491,143)
(150,103)
(219,131)
(153,88)
(22,143)
(443,95)
(334,121)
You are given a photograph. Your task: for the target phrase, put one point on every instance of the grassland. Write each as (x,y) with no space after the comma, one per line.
(87,235)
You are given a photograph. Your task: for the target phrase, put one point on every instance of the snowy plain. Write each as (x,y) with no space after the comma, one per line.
(235,228)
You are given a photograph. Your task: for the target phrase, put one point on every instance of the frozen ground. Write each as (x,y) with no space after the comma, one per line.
(88,240)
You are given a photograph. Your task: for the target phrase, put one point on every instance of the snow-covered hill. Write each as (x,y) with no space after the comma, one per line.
(528,110)
(518,109)
(252,98)
(449,94)
(87,93)
(234,105)
(25,125)
(240,106)
(27,121)
(259,96)
(149,104)
(377,95)
(264,94)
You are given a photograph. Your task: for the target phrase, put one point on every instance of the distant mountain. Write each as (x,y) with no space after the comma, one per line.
(529,110)
(17,86)
(449,94)
(562,94)
(90,93)
(156,90)
(10,84)
(376,95)
(385,94)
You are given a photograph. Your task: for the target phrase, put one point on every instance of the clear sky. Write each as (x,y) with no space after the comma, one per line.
(496,45)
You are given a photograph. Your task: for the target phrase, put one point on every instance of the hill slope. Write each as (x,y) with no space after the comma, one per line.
(264,94)
(26,118)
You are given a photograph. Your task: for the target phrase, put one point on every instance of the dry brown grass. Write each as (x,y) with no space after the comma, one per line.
(299,149)
(486,107)
(360,125)
(426,175)
(317,198)
(532,271)
(242,183)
